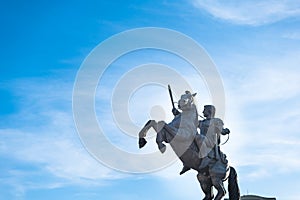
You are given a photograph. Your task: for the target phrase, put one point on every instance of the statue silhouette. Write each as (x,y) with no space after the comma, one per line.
(200,152)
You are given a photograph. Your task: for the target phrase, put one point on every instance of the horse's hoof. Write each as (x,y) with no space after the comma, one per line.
(184,169)
(142,142)
(162,148)
(208,197)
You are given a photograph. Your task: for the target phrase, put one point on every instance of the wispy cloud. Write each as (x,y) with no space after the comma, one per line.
(58,153)
(42,136)
(263,115)
(293,35)
(250,12)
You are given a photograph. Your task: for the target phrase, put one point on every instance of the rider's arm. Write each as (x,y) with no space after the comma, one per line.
(175,111)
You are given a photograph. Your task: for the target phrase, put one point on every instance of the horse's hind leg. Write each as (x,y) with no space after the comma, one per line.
(218,184)
(206,186)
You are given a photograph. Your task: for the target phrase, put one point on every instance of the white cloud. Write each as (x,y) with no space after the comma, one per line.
(42,135)
(293,35)
(269,84)
(56,152)
(263,115)
(250,12)
(61,154)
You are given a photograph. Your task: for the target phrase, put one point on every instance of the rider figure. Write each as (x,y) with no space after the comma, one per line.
(212,129)
(214,160)
(208,140)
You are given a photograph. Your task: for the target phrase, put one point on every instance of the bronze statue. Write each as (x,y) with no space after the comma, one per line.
(200,152)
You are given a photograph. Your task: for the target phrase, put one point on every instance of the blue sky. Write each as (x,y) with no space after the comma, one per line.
(255,46)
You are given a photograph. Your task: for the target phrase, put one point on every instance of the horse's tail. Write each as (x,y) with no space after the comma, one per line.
(233,187)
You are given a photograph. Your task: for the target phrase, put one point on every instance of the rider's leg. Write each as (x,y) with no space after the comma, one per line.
(206,186)
(218,184)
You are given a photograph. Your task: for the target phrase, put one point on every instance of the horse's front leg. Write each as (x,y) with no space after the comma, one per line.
(161,136)
(143,132)
(218,184)
(157,126)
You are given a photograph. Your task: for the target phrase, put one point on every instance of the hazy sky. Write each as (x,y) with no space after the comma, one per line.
(254,45)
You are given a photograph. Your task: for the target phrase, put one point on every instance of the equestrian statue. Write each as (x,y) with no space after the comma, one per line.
(200,152)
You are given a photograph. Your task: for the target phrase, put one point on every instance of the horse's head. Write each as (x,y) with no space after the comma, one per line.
(186,100)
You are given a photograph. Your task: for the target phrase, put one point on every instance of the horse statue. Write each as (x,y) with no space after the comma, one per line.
(182,135)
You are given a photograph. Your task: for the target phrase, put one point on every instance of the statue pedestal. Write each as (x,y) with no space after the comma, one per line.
(255,197)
